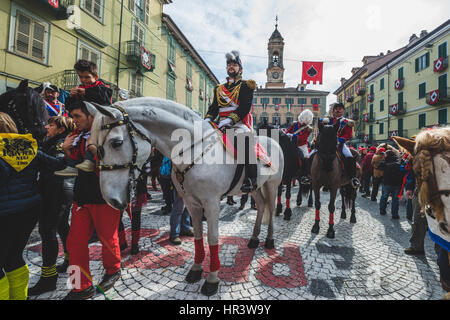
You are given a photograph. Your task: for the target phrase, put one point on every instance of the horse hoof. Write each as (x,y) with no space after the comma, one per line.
(269,244)
(352,219)
(194,276)
(316,228)
(279,209)
(253,243)
(299,203)
(343,215)
(310,204)
(287,214)
(330,233)
(209,289)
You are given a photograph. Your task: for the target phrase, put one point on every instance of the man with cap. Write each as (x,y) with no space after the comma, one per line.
(53,105)
(344,134)
(367,171)
(233,105)
(300,132)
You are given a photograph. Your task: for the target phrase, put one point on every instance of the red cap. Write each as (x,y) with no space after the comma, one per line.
(382,150)
(373,148)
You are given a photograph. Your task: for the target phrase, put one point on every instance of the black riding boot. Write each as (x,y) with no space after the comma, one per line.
(351,170)
(306,178)
(251,168)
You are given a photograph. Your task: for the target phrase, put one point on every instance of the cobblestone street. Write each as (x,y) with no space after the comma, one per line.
(364,261)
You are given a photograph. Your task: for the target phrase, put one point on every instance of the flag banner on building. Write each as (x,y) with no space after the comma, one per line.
(434,97)
(189,85)
(54,3)
(302,106)
(366,117)
(394,109)
(315,107)
(277,107)
(394,133)
(398,84)
(312,72)
(366,138)
(289,107)
(440,64)
(145,58)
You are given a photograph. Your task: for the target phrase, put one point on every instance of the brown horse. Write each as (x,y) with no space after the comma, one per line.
(327,171)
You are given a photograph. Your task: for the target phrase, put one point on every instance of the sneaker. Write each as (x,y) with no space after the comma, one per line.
(81,295)
(383,213)
(412,251)
(67,172)
(108,281)
(187,233)
(86,166)
(176,241)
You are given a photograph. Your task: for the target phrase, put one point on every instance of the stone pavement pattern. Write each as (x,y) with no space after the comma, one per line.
(364,262)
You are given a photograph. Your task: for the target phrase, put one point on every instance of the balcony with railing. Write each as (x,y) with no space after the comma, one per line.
(140,57)
(369,117)
(438,97)
(398,109)
(355,115)
(59,7)
(398,133)
(360,91)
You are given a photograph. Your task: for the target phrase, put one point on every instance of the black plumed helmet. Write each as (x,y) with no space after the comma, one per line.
(233,56)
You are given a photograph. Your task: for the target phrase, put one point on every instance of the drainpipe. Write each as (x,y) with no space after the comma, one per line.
(388,102)
(120,42)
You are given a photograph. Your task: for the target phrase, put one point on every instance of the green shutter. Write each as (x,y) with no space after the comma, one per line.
(422,90)
(400,73)
(422,120)
(442,116)
(417,65)
(427,60)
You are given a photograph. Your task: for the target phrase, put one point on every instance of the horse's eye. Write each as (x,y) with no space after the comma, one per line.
(116,143)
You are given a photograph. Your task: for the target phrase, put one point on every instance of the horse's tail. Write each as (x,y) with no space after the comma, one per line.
(305,189)
(348,194)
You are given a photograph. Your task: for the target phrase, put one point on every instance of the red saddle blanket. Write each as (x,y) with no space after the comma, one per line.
(261,153)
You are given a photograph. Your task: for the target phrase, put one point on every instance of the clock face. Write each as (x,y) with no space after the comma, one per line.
(275,75)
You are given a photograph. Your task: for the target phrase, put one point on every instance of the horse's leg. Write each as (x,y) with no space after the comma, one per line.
(279,205)
(259,200)
(270,195)
(343,213)
(331,208)
(299,195)
(212,211)
(316,226)
(310,199)
(195,274)
(353,216)
(288,212)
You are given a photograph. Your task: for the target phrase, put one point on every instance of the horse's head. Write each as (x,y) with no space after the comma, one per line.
(327,138)
(27,109)
(431,165)
(120,151)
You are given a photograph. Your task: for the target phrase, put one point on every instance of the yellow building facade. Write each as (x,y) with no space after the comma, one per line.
(42,43)
(186,78)
(411,91)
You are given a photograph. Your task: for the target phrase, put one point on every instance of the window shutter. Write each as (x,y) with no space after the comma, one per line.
(98,8)
(131,5)
(23,34)
(427,59)
(37,50)
(147,12)
(94,58)
(88,5)
(417,65)
(84,54)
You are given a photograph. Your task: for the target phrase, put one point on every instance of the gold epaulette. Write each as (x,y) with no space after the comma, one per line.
(233,116)
(251,84)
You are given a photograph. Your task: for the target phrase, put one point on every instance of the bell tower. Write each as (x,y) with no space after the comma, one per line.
(275,68)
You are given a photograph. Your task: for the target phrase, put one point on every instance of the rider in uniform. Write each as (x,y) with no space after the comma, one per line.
(300,132)
(344,134)
(233,103)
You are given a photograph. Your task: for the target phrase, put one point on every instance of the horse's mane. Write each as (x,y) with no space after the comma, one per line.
(165,105)
(429,143)
(326,146)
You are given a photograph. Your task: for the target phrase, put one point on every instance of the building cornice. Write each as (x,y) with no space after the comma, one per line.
(409,52)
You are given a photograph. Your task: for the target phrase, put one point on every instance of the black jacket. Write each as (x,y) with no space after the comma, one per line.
(245,101)
(99,93)
(392,175)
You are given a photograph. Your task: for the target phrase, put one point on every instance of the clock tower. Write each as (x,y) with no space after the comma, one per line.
(275,69)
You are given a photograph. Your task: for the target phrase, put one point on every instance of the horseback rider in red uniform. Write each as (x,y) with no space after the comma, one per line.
(233,104)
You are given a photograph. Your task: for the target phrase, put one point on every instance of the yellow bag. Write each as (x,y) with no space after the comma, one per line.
(18,150)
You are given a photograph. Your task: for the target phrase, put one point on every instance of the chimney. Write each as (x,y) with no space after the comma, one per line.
(389,51)
(413,38)
(343,81)
(423,33)
(381,54)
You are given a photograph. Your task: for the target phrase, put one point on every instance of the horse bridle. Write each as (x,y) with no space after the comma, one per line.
(12,107)
(132,131)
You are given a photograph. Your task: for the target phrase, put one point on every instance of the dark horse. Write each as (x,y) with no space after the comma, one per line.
(327,171)
(292,169)
(26,107)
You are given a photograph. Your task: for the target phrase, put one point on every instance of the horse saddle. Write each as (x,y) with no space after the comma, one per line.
(261,153)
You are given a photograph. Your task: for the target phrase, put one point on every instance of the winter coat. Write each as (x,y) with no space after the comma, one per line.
(392,176)
(97,92)
(375,163)
(367,164)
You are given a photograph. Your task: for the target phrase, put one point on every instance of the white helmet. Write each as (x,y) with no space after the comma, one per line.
(306,117)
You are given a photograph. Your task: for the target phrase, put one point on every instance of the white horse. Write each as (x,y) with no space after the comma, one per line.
(152,123)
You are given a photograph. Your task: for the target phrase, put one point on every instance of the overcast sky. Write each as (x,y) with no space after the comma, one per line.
(339,33)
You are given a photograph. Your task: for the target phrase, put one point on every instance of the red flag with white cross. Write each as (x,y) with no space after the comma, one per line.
(312,72)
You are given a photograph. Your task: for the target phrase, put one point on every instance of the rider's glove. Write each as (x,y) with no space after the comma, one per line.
(225,123)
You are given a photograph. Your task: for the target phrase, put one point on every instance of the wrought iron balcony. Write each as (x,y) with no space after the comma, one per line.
(438,97)
(398,109)
(398,133)
(59,7)
(140,57)
(349,99)
(360,91)
(371,117)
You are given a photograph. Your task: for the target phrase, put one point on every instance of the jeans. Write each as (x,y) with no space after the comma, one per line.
(387,191)
(375,184)
(366,183)
(418,227)
(180,220)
